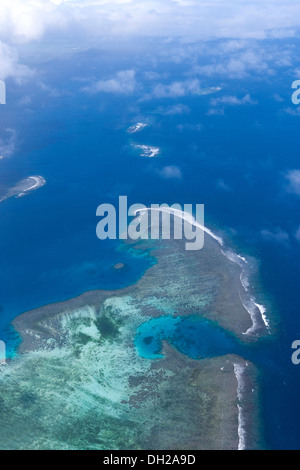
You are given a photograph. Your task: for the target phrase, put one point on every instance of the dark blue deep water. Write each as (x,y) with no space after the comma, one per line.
(235,166)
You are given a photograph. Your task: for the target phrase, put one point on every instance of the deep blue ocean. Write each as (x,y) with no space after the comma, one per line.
(235,165)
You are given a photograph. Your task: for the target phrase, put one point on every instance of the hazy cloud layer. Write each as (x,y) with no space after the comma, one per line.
(24,21)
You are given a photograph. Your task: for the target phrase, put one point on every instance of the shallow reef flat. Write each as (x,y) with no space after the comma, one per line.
(80,383)
(23,187)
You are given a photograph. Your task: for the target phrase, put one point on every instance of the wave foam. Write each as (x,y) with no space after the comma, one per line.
(239,371)
(148,151)
(255,310)
(136,128)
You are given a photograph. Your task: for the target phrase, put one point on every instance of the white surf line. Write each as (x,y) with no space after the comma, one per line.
(229,254)
(136,128)
(184,216)
(148,151)
(263,310)
(250,304)
(238,371)
(39,181)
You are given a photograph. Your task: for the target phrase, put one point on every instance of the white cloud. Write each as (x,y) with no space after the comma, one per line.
(175,89)
(8,143)
(236,67)
(152,76)
(174,110)
(223,186)
(276,236)
(240,58)
(293,178)
(25,100)
(232,101)
(278,98)
(189,127)
(216,112)
(293,111)
(9,64)
(228,100)
(53,92)
(25,20)
(124,82)
(171,172)
(101,21)
(22,21)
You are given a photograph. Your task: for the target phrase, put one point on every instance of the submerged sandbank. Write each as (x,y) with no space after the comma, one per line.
(23,187)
